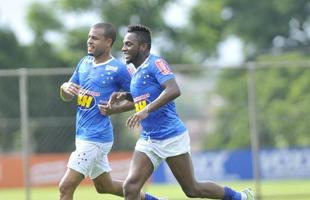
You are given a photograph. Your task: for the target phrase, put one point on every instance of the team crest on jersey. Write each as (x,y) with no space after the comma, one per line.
(163,66)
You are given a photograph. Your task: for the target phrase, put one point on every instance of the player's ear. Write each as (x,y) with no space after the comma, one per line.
(110,41)
(143,47)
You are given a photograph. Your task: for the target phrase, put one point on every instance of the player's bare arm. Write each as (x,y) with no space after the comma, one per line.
(171,91)
(116,107)
(68,91)
(117,97)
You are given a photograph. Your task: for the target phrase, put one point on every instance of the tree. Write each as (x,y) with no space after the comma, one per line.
(204,30)
(272,27)
(168,40)
(42,19)
(11,57)
(273,31)
(272,24)
(281,96)
(10,50)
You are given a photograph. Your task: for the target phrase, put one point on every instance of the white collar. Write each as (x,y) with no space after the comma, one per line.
(103,63)
(145,63)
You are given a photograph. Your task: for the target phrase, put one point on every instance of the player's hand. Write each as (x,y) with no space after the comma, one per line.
(134,120)
(116,97)
(70,88)
(104,109)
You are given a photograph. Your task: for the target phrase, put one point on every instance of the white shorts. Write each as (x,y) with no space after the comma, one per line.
(90,158)
(159,150)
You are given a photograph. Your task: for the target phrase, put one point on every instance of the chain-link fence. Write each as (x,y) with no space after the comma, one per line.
(256,105)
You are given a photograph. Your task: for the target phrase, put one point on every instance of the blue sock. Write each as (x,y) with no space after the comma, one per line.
(230,194)
(149,197)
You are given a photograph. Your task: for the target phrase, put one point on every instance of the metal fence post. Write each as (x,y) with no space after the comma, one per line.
(23,100)
(253,127)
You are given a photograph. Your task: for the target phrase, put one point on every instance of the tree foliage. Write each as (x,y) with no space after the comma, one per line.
(10,50)
(266,27)
(205,29)
(281,96)
(268,24)
(122,13)
(274,31)
(41,18)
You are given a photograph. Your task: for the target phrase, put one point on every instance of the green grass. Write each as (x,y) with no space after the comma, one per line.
(291,189)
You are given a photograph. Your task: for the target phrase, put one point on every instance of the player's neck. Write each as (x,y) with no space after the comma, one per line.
(141,60)
(103,58)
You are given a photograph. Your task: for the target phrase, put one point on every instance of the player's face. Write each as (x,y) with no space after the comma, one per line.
(97,44)
(131,48)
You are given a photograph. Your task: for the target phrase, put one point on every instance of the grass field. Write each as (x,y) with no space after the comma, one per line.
(292,189)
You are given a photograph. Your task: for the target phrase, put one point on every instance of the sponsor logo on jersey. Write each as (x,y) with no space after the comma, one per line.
(141,97)
(140,105)
(141,102)
(86,99)
(111,68)
(163,66)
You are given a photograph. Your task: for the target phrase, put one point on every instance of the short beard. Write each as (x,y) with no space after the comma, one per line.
(97,54)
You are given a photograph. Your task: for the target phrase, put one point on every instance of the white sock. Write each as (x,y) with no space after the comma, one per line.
(243,196)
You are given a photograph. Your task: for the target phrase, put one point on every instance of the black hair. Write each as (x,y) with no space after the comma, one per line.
(143,33)
(109,30)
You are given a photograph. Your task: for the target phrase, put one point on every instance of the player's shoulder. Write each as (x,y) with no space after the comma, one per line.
(160,64)
(153,58)
(157,61)
(117,64)
(85,62)
(88,59)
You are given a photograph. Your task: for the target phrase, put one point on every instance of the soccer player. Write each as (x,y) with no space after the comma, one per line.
(95,78)
(164,136)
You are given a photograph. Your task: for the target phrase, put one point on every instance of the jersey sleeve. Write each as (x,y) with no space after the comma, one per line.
(124,78)
(75,76)
(162,71)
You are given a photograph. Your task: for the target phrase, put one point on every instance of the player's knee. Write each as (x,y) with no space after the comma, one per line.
(99,189)
(102,190)
(66,187)
(191,191)
(129,187)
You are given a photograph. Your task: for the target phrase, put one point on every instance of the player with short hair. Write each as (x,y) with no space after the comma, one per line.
(164,136)
(95,78)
